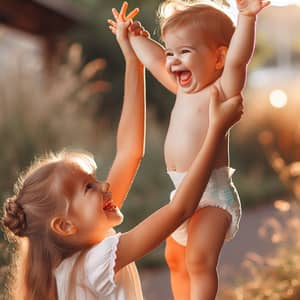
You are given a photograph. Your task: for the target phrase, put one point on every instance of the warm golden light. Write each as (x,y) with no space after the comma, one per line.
(282,205)
(278,98)
(169,10)
(284,2)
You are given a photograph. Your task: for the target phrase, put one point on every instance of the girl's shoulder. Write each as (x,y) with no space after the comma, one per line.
(98,266)
(98,254)
(103,251)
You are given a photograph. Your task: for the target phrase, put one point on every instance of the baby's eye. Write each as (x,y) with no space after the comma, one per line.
(183,51)
(169,54)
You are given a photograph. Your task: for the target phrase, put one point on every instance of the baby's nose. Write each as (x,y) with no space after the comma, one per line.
(175,59)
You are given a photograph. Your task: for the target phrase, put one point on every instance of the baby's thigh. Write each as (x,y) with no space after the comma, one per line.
(206,234)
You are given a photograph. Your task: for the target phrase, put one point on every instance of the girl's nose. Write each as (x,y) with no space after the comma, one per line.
(104,186)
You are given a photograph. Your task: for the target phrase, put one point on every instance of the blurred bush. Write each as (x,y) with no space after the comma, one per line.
(276,276)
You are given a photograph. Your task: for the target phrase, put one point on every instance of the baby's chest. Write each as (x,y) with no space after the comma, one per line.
(190,114)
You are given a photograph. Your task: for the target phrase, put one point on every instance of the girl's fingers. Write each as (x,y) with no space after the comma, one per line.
(112,23)
(115,14)
(132,14)
(123,10)
(112,29)
(214,92)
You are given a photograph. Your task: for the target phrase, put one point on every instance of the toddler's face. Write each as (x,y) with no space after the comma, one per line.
(190,58)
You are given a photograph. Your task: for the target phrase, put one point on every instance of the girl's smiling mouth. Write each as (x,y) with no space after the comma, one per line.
(108,205)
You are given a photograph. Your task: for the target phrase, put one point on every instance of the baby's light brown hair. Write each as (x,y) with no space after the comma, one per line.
(207,17)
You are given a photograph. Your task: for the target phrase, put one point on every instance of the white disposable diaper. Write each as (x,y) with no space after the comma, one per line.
(220,192)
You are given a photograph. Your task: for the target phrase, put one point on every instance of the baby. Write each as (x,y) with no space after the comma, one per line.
(202,49)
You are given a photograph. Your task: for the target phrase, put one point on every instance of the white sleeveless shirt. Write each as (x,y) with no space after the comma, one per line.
(98,277)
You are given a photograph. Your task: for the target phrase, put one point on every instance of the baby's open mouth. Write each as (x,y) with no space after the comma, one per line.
(184,77)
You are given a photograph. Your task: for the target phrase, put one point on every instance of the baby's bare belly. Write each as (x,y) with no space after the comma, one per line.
(187,131)
(180,153)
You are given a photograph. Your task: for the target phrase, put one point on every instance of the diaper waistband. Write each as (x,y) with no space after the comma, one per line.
(218,176)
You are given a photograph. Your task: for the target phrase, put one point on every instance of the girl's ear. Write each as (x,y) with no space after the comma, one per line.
(221,55)
(63,226)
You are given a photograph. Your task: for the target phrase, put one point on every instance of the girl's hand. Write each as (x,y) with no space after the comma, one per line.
(224,114)
(120,27)
(251,8)
(120,18)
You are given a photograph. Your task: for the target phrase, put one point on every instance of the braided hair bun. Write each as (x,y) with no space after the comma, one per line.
(14,217)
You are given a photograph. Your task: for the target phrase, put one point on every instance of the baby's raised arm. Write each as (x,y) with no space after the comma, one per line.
(131,129)
(241,47)
(152,231)
(152,56)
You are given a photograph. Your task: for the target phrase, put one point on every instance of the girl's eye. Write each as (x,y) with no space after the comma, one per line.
(88,186)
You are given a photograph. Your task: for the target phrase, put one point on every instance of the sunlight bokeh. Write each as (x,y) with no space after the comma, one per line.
(278,98)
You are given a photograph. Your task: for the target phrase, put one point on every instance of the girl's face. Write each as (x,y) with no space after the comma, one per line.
(91,207)
(190,59)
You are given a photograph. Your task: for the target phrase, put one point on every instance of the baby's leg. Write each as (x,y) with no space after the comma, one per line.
(206,234)
(175,257)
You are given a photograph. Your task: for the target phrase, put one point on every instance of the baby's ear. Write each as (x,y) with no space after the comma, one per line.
(221,55)
(63,226)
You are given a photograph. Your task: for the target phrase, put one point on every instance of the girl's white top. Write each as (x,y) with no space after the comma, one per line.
(97,280)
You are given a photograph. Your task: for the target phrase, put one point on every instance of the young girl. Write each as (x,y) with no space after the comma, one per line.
(202,49)
(64,216)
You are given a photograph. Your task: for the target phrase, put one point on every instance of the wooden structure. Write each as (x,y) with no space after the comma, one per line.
(47,19)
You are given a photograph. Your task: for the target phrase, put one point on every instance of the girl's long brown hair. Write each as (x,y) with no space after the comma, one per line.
(38,198)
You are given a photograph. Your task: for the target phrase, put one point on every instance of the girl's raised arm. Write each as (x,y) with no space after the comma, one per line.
(131,129)
(149,52)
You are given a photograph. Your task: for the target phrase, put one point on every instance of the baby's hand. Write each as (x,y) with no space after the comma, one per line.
(224,114)
(251,7)
(136,28)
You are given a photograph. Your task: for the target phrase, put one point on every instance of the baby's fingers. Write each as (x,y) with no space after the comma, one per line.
(265,4)
(137,29)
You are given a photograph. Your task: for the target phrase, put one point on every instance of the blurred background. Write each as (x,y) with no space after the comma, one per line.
(61,86)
